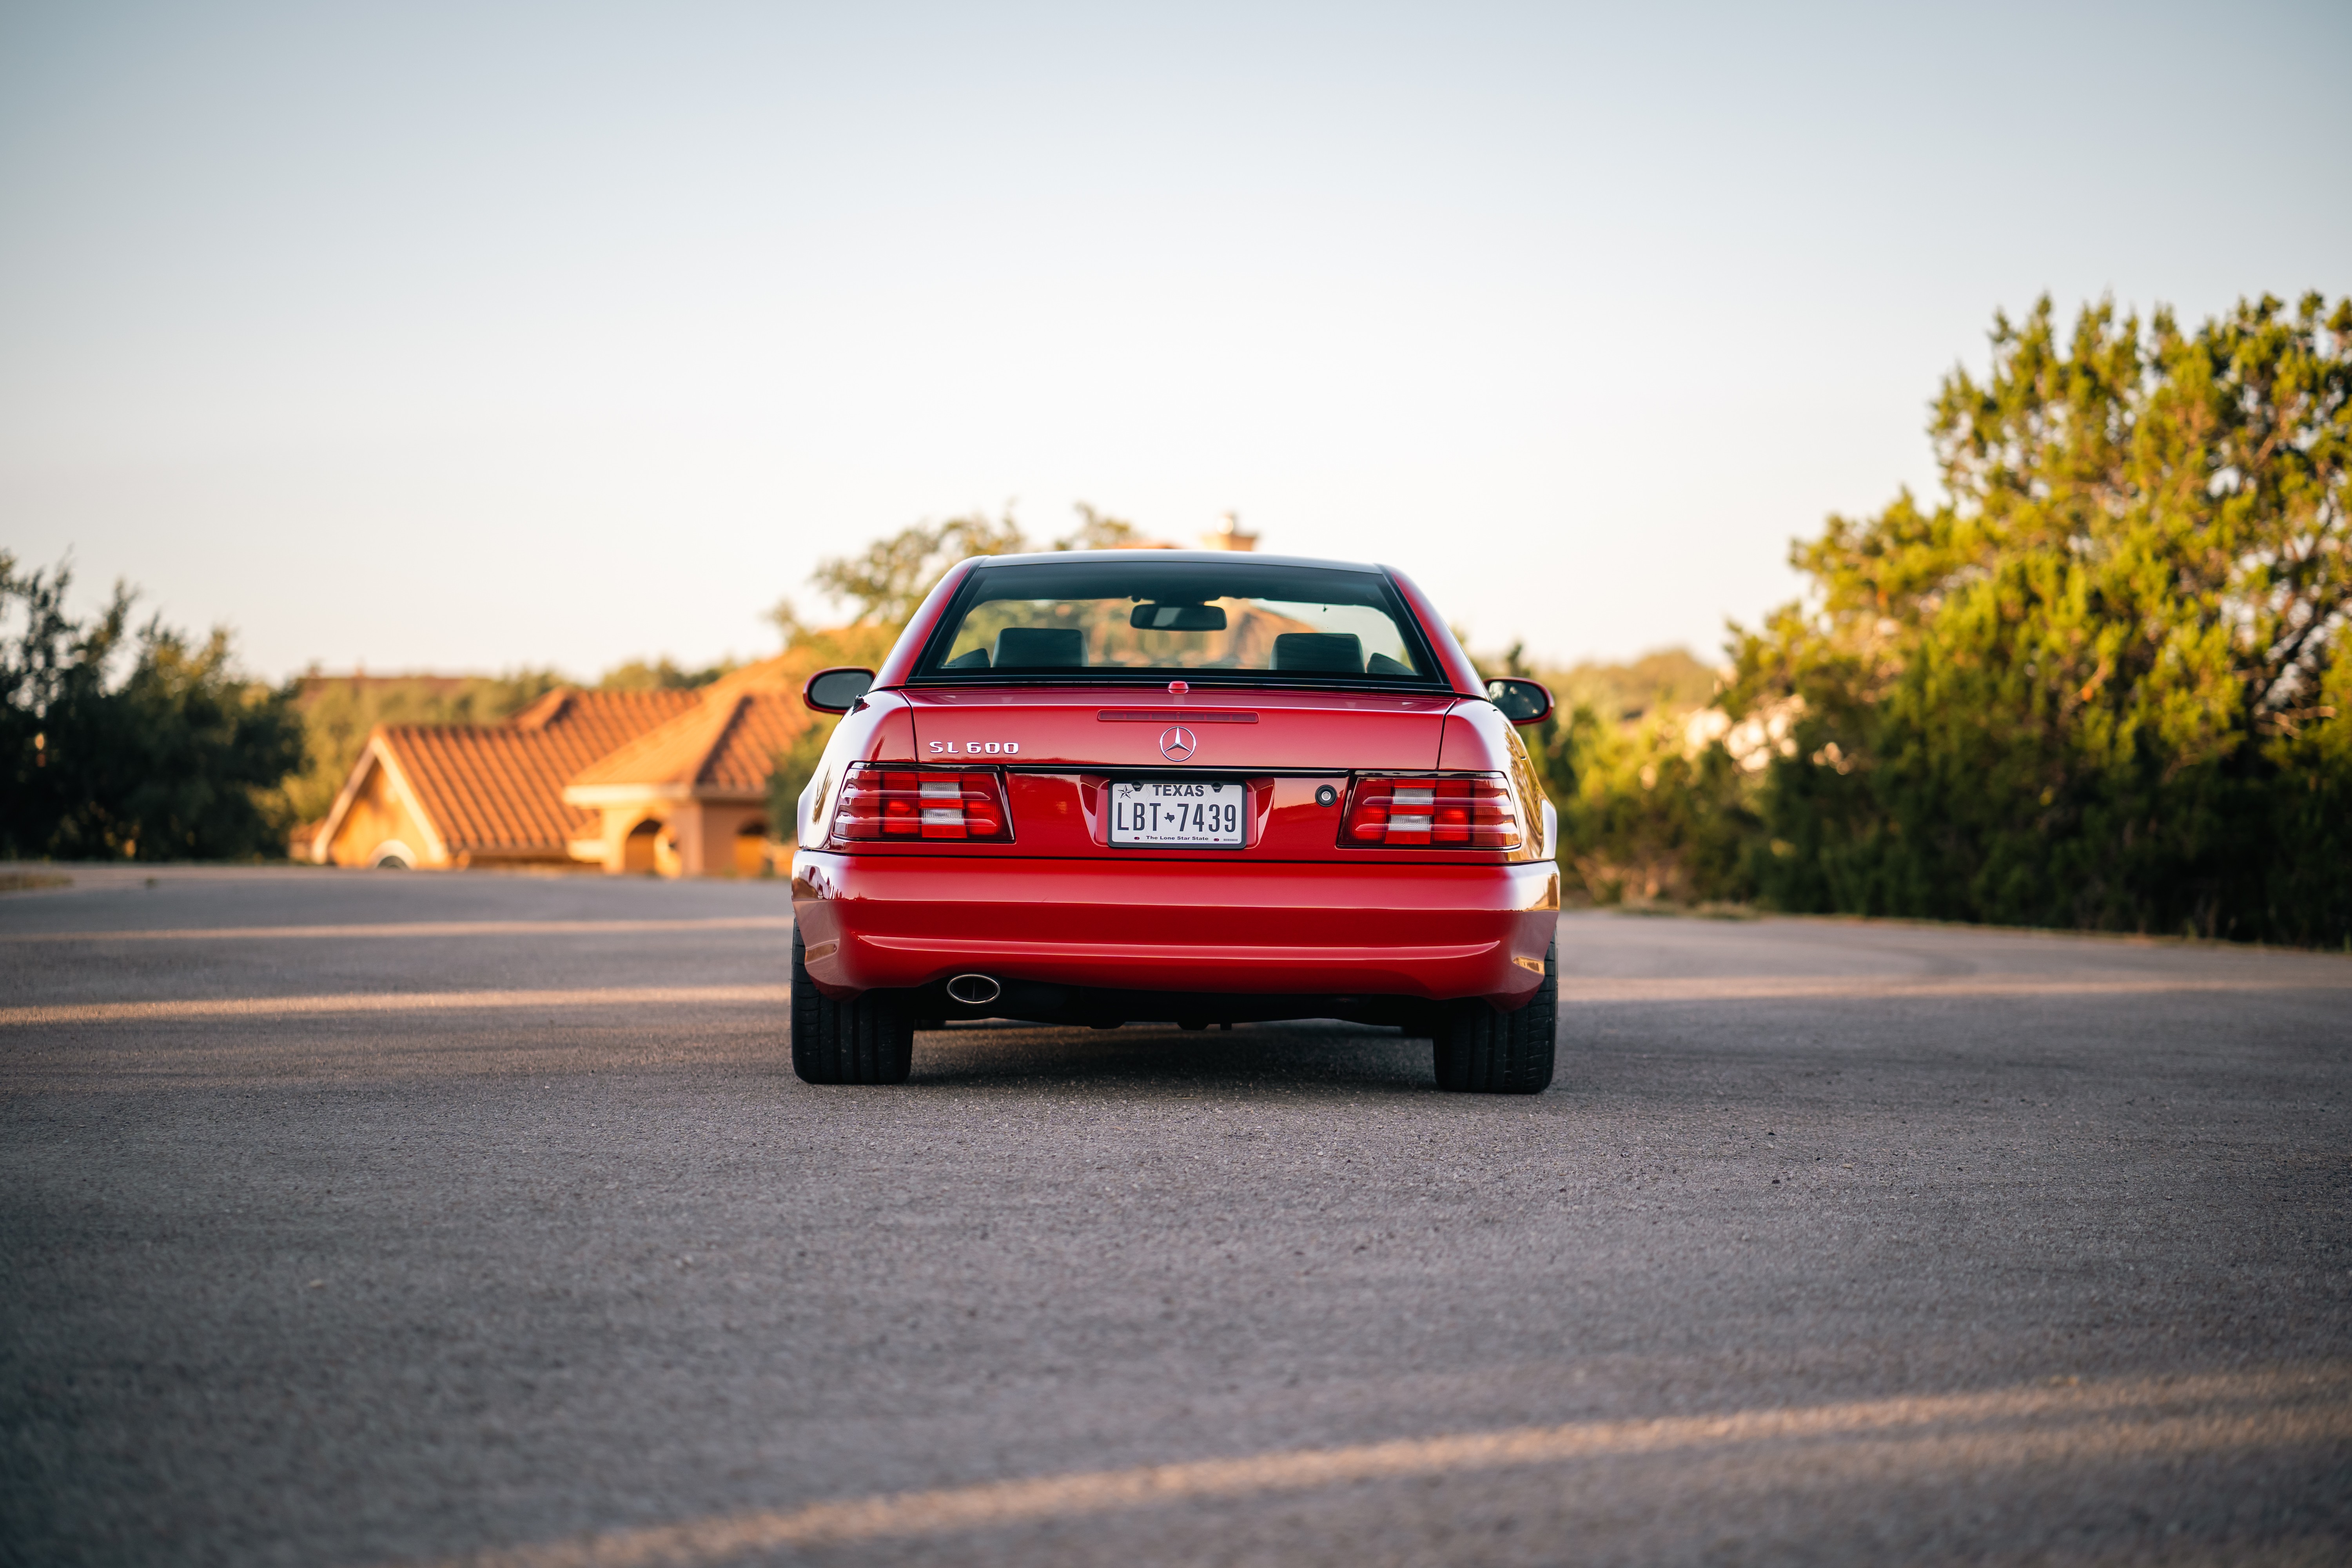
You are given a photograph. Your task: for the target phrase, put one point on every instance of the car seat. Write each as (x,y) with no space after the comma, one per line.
(1319,653)
(1041,647)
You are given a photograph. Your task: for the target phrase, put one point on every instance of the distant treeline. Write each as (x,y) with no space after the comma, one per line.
(140,743)
(2102,685)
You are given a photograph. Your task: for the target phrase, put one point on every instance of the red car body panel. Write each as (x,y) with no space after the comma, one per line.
(1293,912)
(1423,931)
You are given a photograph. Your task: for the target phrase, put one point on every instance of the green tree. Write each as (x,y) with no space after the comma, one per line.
(1667,682)
(2099,684)
(1646,815)
(663,675)
(175,757)
(885,583)
(1099,531)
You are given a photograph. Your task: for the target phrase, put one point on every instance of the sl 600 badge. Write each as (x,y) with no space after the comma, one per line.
(975,748)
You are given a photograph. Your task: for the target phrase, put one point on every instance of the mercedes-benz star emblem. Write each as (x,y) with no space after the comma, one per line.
(1176,744)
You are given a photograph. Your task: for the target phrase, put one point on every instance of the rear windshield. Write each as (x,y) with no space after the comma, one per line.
(1140,619)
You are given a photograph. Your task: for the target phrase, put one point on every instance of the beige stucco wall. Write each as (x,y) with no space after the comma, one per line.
(617,847)
(719,848)
(379,815)
(691,838)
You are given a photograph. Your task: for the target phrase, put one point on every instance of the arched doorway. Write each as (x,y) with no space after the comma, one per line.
(752,849)
(637,849)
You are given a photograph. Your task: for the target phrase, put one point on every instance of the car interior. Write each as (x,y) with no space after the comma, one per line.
(1065,648)
(1319,653)
(1039,647)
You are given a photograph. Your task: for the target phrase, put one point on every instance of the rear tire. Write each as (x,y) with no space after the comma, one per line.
(869,1040)
(1481,1051)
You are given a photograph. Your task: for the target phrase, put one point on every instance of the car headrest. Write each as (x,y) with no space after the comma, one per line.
(1041,647)
(1319,653)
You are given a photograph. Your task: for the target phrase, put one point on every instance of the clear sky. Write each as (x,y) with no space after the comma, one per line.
(474,336)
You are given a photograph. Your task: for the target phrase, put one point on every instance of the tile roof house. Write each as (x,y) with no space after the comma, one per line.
(668,781)
(689,797)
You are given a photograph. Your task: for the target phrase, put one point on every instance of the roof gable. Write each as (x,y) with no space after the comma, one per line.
(500,786)
(725,743)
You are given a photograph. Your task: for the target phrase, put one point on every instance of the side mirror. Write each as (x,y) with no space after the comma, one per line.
(837,690)
(1522,702)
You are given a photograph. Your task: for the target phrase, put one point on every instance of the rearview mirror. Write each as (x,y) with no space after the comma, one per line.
(1522,702)
(1178,618)
(837,690)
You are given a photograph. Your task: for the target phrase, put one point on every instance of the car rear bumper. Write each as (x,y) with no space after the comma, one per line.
(1426,932)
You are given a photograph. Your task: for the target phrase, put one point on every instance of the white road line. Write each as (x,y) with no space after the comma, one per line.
(396,1002)
(1995,1432)
(1799,988)
(411,929)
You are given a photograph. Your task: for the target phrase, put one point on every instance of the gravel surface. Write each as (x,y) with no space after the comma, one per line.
(1833,1242)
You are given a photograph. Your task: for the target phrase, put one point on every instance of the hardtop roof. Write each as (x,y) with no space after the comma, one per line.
(1239,558)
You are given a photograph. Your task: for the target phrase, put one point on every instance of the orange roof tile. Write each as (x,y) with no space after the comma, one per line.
(551,706)
(728,741)
(762,724)
(500,786)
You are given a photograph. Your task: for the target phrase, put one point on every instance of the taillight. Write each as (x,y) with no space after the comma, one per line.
(881,801)
(1456,811)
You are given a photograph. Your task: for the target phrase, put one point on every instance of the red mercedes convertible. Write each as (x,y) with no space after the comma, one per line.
(1197,788)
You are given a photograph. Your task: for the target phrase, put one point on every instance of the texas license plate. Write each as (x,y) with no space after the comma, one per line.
(1196,813)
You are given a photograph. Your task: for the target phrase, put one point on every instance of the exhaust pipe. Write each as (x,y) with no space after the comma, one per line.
(974,990)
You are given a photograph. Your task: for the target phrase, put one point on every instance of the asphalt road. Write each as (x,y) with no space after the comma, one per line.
(459,1219)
